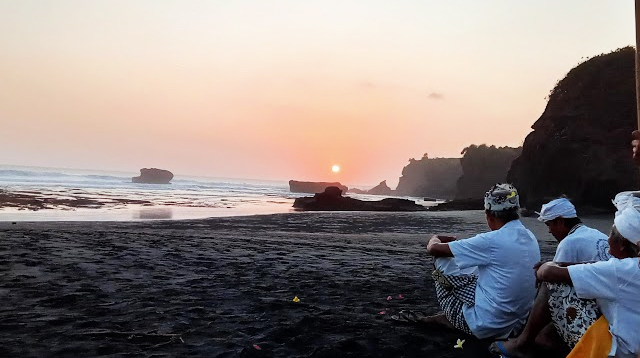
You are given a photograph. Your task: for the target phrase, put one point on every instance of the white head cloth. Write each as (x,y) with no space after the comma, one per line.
(558,208)
(501,197)
(626,199)
(627,223)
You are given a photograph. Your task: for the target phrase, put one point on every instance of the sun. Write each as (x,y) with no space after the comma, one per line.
(335,168)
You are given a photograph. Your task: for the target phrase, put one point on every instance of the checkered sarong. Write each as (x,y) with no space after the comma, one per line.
(453,291)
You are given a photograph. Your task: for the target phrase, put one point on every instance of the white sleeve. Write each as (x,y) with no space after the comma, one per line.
(475,251)
(597,280)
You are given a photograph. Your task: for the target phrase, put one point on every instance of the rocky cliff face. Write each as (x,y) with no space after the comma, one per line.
(435,178)
(580,144)
(482,167)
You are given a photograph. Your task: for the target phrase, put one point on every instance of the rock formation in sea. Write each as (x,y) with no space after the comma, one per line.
(380,189)
(332,200)
(580,145)
(153,176)
(313,187)
(482,167)
(434,178)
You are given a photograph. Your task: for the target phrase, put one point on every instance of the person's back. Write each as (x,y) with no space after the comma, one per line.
(583,244)
(506,285)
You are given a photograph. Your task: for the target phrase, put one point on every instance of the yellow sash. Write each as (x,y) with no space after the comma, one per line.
(595,342)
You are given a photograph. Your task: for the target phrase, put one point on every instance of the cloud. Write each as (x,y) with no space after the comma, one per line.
(367,84)
(435,95)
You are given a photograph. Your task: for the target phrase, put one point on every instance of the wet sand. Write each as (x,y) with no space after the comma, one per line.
(224,287)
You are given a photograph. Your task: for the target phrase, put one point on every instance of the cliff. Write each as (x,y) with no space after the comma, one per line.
(580,145)
(482,167)
(435,178)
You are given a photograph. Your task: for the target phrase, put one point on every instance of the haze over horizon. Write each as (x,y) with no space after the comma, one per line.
(285,89)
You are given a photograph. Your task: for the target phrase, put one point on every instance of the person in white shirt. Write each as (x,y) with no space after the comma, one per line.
(485,284)
(549,325)
(614,284)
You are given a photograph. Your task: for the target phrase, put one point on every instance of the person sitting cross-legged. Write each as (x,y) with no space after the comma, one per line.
(485,284)
(614,285)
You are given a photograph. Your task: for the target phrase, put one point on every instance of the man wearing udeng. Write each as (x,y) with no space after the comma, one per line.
(485,284)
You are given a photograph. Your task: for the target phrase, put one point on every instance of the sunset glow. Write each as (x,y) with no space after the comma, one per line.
(219,89)
(335,168)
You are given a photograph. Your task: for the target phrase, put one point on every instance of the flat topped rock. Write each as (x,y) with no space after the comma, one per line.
(313,187)
(153,176)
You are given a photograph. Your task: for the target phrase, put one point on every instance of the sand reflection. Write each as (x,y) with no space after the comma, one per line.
(154,213)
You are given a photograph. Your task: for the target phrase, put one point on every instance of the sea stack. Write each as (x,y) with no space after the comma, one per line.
(153,176)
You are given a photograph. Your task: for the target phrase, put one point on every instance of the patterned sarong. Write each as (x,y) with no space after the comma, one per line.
(454,291)
(571,316)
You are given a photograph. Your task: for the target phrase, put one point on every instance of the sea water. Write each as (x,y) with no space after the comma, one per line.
(186,197)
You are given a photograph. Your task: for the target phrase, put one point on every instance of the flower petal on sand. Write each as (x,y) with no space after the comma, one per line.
(257,347)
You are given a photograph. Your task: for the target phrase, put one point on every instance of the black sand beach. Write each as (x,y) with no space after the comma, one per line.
(224,287)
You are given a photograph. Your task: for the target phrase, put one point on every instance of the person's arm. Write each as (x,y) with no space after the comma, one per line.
(552,272)
(635,144)
(437,248)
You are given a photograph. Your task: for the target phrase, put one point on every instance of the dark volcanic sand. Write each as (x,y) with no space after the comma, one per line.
(217,287)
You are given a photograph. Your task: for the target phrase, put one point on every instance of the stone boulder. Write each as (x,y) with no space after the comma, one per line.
(153,176)
(580,145)
(313,187)
(332,200)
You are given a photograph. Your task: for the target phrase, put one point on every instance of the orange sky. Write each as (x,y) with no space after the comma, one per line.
(283,89)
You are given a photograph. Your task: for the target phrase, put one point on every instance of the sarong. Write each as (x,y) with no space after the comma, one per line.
(571,316)
(454,289)
(595,343)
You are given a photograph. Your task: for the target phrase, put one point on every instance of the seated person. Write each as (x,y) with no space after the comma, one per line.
(614,284)
(485,284)
(576,243)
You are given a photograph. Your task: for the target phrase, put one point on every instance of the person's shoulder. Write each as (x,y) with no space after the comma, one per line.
(587,230)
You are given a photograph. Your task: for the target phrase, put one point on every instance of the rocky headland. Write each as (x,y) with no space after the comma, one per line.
(580,144)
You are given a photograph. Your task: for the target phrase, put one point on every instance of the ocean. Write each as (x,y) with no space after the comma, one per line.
(187,197)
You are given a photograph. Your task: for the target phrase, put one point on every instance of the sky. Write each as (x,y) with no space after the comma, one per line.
(281,89)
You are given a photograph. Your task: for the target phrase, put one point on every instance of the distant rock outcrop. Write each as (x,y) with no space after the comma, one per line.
(380,189)
(153,176)
(482,167)
(332,200)
(580,145)
(313,187)
(435,178)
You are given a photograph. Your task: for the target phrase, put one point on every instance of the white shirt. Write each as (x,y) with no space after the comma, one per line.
(506,281)
(615,285)
(583,244)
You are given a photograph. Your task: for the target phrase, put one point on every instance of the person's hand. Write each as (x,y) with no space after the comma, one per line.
(434,240)
(535,272)
(542,270)
(445,238)
(635,144)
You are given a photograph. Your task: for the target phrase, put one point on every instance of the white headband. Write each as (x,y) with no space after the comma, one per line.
(627,223)
(558,208)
